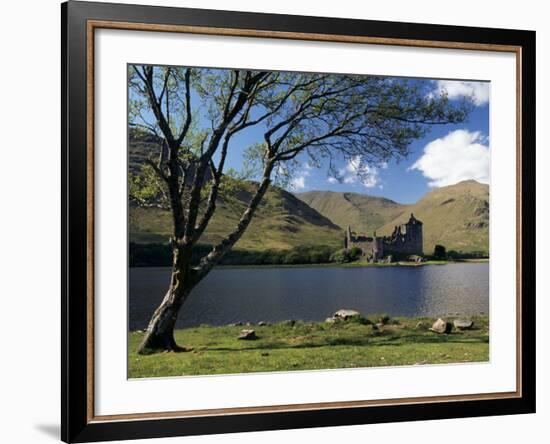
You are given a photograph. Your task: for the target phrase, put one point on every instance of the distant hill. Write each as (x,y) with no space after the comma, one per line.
(456,216)
(364,213)
(281,222)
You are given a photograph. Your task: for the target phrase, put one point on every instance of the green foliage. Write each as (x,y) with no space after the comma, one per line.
(356,319)
(340,256)
(354,253)
(145,187)
(440,253)
(457,255)
(159,255)
(344,256)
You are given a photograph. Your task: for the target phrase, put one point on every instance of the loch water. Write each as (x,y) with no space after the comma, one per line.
(270,294)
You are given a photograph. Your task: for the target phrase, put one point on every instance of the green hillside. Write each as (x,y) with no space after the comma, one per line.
(281,222)
(363,213)
(455,216)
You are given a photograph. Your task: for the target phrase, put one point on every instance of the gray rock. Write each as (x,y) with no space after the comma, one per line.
(441,326)
(248,335)
(345,314)
(262,323)
(330,320)
(421,325)
(463,324)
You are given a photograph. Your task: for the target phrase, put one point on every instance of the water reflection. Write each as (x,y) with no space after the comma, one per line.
(312,294)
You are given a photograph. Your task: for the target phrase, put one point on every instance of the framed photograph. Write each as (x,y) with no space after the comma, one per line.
(276,221)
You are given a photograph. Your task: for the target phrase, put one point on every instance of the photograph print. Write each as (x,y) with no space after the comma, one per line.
(283,221)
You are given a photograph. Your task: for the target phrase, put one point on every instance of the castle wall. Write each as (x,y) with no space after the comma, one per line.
(402,246)
(370,246)
(406,240)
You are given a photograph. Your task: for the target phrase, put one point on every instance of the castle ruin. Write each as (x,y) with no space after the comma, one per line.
(406,240)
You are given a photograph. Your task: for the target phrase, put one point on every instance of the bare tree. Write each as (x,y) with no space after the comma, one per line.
(198,112)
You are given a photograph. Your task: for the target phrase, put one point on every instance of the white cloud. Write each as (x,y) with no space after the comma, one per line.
(350,179)
(357,171)
(460,155)
(477,91)
(298,183)
(332,180)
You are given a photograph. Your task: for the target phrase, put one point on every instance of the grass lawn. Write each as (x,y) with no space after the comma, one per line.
(311,345)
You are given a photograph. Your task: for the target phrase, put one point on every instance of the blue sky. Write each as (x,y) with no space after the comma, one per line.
(447,155)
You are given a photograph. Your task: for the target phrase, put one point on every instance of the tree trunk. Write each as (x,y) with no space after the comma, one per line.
(160,331)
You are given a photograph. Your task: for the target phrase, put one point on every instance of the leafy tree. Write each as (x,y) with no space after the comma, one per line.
(198,114)
(440,253)
(355,253)
(340,256)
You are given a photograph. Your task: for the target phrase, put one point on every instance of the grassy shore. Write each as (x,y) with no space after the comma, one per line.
(311,345)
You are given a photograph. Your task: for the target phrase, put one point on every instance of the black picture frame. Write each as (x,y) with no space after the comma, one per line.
(76,423)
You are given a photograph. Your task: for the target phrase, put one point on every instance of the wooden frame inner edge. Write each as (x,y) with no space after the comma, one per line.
(94,24)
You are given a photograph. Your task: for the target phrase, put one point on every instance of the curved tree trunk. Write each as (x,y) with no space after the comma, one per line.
(160,331)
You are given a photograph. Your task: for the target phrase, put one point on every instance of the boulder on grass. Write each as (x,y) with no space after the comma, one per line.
(247,335)
(463,324)
(345,314)
(441,326)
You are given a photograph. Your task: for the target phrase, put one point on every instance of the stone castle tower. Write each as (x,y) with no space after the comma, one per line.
(406,240)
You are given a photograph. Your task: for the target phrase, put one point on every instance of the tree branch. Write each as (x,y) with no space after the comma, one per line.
(193,206)
(227,243)
(188,114)
(213,195)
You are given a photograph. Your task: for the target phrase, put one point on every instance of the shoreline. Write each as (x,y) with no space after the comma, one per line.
(345,265)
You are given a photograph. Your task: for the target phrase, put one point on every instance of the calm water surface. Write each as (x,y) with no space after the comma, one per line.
(313,293)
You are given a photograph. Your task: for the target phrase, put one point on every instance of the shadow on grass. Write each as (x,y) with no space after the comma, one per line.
(376,341)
